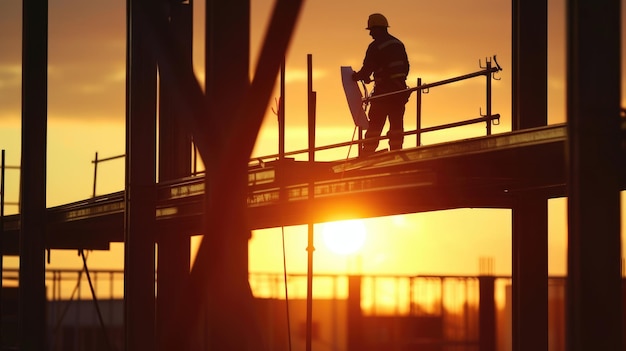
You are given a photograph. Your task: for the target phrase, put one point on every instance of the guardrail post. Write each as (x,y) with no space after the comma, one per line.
(488,107)
(418,117)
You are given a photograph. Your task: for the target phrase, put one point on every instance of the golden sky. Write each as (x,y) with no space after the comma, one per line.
(444,39)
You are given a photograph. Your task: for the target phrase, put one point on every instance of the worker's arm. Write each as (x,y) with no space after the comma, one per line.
(369,65)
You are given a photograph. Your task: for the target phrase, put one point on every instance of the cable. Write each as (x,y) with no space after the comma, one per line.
(95,301)
(365,105)
(67,307)
(286,290)
(349,149)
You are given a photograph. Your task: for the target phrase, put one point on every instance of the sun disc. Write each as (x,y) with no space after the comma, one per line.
(344,237)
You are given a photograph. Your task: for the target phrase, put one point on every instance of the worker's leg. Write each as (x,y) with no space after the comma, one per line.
(377,116)
(396,122)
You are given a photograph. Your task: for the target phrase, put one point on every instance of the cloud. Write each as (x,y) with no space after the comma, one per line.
(10,76)
(301,75)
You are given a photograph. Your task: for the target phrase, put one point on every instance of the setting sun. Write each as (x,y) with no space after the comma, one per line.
(344,237)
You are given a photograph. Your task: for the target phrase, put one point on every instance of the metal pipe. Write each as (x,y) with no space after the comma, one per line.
(310,247)
(423,130)
(488,77)
(418,115)
(95,168)
(311,108)
(436,84)
(281,113)
(111,158)
(95,174)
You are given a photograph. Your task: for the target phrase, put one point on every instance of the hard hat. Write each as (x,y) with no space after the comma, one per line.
(377,20)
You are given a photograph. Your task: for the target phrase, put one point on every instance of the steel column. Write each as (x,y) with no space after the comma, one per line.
(1,242)
(593,112)
(32,290)
(354,315)
(140,195)
(227,81)
(530,63)
(175,151)
(219,273)
(530,232)
(311,98)
(530,273)
(487,313)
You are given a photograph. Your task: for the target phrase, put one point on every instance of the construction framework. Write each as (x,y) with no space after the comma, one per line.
(159,37)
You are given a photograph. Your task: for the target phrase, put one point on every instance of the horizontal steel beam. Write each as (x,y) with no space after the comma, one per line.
(485,172)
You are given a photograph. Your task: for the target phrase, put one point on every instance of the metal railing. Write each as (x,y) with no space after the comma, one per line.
(488,118)
(96,161)
(3,168)
(452,300)
(381,293)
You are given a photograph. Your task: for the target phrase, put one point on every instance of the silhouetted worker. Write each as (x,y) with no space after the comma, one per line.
(387,60)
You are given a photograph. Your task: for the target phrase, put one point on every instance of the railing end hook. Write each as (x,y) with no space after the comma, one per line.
(499,68)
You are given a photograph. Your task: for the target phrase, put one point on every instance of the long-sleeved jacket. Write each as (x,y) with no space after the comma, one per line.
(386,58)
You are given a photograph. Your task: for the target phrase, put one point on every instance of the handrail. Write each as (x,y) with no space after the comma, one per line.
(353,142)
(487,71)
(487,118)
(4,167)
(95,162)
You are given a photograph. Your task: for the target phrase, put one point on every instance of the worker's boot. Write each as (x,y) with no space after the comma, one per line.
(396,139)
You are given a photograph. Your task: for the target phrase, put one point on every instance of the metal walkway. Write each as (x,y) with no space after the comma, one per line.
(481,172)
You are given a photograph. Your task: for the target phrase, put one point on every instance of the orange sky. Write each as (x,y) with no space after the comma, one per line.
(444,39)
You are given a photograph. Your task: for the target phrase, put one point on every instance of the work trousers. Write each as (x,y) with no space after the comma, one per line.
(391,107)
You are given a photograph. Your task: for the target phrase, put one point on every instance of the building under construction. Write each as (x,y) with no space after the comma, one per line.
(212,307)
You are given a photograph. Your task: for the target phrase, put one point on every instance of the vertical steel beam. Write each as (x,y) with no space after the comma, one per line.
(311,99)
(32,291)
(281,113)
(530,231)
(140,197)
(226,153)
(530,63)
(593,114)
(354,318)
(227,82)
(175,150)
(1,242)
(530,273)
(227,59)
(487,313)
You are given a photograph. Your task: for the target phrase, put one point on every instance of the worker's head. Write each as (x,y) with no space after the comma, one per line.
(376,20)
(377,25)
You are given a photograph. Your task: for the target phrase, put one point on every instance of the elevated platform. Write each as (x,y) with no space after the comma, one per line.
(482,172)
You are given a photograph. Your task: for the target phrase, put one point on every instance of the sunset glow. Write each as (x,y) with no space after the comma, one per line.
(444,39)
(344,237)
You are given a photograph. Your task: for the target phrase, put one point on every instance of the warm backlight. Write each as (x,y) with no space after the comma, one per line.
(344,237)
